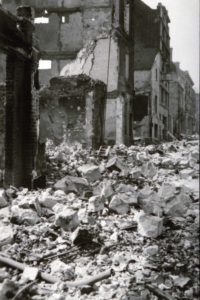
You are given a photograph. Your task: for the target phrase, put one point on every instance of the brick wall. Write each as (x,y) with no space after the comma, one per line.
(73,108)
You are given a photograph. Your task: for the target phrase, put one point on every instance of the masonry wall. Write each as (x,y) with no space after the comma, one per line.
(2,124)
(73,110)
(71,27)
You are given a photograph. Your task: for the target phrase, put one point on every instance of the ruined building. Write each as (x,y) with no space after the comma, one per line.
(76,109)
(18,106)
(182,106)
(151,64)
(91,37)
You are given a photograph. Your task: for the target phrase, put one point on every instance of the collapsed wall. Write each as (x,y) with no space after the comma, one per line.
(72,109)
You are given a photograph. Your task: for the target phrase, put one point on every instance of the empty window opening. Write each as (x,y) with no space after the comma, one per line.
(45,64)
(41,20)
(65,19)
(156,130)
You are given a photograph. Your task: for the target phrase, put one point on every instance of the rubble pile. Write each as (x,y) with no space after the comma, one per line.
(123,226)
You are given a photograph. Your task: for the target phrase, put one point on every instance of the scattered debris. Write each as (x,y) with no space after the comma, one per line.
(132,210)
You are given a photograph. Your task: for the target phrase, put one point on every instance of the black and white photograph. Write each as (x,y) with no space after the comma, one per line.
(99,149)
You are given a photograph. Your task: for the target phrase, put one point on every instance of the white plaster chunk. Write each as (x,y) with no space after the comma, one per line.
(90,172)
(150,226)
(6,234)
(118,205)
(67,219)
(95,204)
(3,200)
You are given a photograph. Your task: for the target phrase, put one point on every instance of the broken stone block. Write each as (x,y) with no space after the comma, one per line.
(81,237)
(95,204)
(185,174)
(150,226)
(115,164)
(11,193)
(149,170)
(23,216)
(167,190)
(146,192)
(59,268)
(177,206)
(72,184)
(30,273)
(136,173)
(4,213)
(167,163)
(48,200)
(151,250)
(151,205)
(107,190)
(129,198)
(194,155)
(118,205)
(139,276)
(142,156)
(6,234)
(67,219)
(90,172)
(3,200)
(181,281)
(125,188)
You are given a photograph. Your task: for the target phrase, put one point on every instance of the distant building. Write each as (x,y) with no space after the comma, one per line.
(151,64)
(190,104)
(182,104)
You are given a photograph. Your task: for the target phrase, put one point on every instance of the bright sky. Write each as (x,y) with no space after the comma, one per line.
(184,33)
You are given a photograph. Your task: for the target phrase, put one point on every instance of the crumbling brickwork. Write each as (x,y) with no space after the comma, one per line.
(73,109)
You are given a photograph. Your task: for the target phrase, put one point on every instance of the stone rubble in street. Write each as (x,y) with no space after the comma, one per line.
(135,212)
(3,200)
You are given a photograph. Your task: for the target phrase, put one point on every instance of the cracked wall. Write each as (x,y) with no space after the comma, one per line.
(94,38)
(93,61)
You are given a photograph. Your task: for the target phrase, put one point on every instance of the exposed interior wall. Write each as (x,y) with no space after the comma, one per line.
(93,61)
(73,109)
(85,27)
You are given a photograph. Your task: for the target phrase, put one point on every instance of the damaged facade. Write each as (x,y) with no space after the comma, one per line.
(151,64)
(94,38)
(73,107)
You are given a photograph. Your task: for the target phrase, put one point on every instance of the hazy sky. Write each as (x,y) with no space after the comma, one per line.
(184,33)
